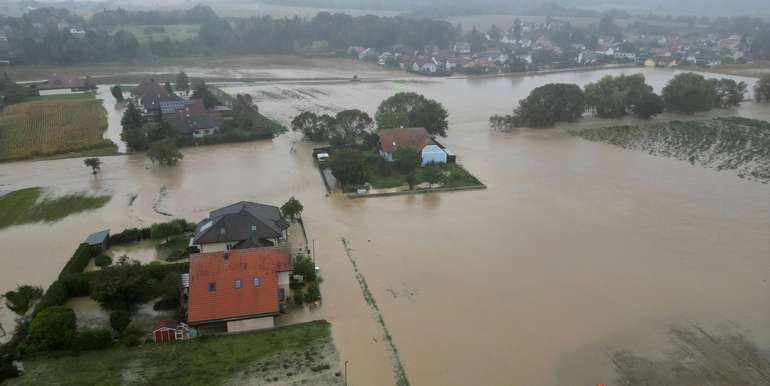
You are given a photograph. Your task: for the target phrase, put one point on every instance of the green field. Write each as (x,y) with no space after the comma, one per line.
(64,97)
(147,33)
(51,127)
(301,354)
(32,205)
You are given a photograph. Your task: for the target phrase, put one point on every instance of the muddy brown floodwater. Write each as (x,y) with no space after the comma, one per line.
(575,247)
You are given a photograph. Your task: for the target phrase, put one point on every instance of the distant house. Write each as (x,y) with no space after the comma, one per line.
(150,94)
(194,125)
(99,239)
(462,48)
(240,226)
(238,290)
(416,138)
(57,83)
(424,64)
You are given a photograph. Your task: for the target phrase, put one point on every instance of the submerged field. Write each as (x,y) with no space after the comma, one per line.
(734,143)
(303,354)
(51,127)
(31,205)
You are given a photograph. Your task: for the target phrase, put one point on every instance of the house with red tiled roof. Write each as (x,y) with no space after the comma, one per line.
(415,138)
(237,290)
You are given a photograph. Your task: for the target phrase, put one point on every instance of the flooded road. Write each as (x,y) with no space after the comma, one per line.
(575,247)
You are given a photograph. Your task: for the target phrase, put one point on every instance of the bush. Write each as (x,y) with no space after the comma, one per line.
(131,337)
(102,261)
(77,284)
(168,229)
(56,295)
(130,235)
(407,160)
(8,370)
(312,293)
(52,329)
(20,300)
(304,266)
(88,340)
(169,288)
(119,320)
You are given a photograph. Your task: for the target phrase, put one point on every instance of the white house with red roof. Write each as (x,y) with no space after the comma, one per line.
(415,138)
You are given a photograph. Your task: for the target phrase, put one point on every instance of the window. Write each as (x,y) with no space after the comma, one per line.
(281,294)
(256,282)
(212,287)
(237,283)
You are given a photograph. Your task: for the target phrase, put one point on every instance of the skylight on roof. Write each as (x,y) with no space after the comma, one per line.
(206,226)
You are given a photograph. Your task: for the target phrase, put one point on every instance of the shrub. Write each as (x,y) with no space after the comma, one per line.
(130,235)
(8,370)
(119,320)
(56,295)
(52,329)
(102,260)
(20,300)
(77,284)
(88,340)
(131,337)
(406,160)
(312,293)
(167,229)
(304,266)
(169,289)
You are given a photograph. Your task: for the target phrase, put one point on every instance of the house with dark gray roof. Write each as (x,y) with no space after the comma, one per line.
(241,226)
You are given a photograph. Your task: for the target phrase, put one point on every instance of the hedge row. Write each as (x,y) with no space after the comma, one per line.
(79,260)
(155,231)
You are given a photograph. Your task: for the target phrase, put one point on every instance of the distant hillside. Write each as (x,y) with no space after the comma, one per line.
(738,144)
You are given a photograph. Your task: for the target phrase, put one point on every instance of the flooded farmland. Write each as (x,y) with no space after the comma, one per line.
(575,248)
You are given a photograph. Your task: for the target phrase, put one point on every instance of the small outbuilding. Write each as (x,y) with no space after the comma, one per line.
(166,331)
(99,239)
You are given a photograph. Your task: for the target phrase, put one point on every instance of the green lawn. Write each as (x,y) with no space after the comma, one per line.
(32,205)
(381,174)
(292,355)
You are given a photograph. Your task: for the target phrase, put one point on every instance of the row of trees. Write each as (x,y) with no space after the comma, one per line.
(614,97)
(762,89)
(404,109)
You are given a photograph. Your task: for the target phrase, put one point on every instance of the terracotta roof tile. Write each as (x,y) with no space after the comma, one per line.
(227,302)
(415,138)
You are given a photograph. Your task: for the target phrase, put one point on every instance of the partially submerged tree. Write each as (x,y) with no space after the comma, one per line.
(614,97)
(94,163)
(545,105)
(762,89)
(689,93)
(20,300)
(292,209)
(350,126)
(165,152)
(313,127)
(117,92)
(134,133)
(729,93)
(431,174)
(121,286)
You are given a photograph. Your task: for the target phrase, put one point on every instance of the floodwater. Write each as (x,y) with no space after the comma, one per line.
(574,249)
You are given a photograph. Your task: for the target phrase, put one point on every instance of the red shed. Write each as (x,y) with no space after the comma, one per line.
(165,331)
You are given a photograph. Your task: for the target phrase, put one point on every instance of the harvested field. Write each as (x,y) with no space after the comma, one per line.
(738,144)
(46,128)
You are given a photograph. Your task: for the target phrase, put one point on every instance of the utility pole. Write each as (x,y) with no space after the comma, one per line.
(313,253)
(346,373)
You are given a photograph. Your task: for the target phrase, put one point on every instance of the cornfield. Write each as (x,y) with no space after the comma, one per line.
(46,128)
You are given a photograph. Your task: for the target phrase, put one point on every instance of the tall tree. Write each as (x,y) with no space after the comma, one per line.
(410,109)
(183,82)
(689,93)
(350,126)
(762,89)
(517,29)
(347,166)
(117,92)
(292,209)
(165,152)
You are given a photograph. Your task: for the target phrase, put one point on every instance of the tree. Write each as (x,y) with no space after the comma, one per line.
(201,91)
(165,152)
(313,127)
(350,126)
(431,174)
(406,160)
(292,209)
(20,300)
(169,89)
(614,97)
(119,320)
(648,105)
(517,29)
(134,133)
(762,89)
(545,105)
(117,92)
(411,180)
(410,109)
(728,92)
(160,131)
(94,163)
(121,286)
(53,328)
(182,82)
(347,166)
(494,33)
(689,93)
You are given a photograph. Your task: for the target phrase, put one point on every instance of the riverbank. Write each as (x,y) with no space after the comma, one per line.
(286,355)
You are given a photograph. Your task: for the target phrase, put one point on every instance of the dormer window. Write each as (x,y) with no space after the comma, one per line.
(212,287)
(238,284)
(256,282)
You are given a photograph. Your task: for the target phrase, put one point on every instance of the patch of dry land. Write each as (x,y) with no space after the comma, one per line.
(301,354)
(738,144)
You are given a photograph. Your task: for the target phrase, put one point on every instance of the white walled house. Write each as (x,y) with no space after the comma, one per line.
(415,138)
(240,226)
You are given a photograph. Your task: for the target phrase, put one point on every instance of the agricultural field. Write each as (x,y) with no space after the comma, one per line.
(738,144)
(32,205)
(51,127)
(147,33)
